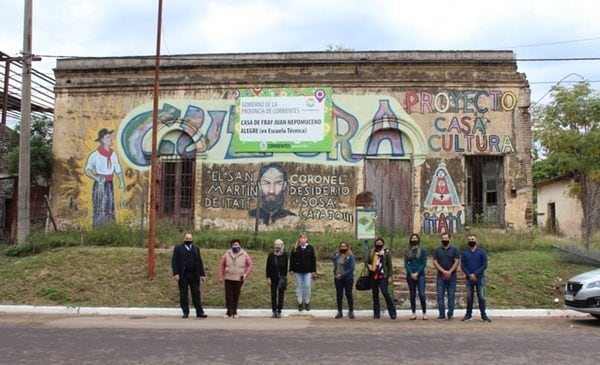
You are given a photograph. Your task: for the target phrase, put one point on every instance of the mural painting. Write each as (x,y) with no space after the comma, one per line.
(102,165)
(292,187)
(441,197)
(272,182)
(279,192)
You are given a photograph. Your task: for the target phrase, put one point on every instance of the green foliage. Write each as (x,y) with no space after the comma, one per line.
(112,235)
(19,250)
(545,169)
(54,294)
(41,156)
(568,129)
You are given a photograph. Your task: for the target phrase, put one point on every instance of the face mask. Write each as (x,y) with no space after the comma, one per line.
(378,247)
(445,242)
(277,249)
(343,250)
(472,244)
(414,243)
(236,249)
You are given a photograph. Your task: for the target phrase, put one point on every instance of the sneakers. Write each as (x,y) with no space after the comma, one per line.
(274,315)
(201,315)
(351,315)
(307,306)
(467,317)
(413,317)
(301,307)
(424,316)
(338,315)
(450,317)
(486,319)
(441,317)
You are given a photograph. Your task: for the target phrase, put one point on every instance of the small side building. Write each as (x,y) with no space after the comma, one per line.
(557,211)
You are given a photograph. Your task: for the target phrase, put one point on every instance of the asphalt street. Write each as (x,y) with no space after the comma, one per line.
(139,339)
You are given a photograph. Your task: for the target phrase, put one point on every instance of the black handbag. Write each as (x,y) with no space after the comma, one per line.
(364,281)
(282,283)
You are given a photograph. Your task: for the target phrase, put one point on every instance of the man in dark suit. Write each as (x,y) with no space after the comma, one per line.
(188,272)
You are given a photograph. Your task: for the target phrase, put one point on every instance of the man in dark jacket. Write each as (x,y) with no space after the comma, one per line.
(188,272)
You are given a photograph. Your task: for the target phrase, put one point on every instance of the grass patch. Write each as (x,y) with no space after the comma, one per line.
(116,276)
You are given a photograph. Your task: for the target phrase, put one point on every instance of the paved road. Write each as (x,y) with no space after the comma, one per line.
(58,339)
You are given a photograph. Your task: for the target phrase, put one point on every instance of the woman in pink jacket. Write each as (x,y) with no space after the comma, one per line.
(235,267)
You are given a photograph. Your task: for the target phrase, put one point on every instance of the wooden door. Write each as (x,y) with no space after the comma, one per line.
(390,182)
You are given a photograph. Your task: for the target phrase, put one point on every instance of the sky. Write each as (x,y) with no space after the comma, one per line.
(533,29)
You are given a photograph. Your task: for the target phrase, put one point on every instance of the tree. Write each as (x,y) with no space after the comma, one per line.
(41,150)
(568,133)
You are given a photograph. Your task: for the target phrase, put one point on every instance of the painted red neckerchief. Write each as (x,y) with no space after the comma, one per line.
(106,152)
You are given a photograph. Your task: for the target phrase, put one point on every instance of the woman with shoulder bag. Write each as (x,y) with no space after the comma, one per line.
(277,267)
(343,276)
(380,266)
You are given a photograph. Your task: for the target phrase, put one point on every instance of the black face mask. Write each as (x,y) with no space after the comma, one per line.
(445,242)
(343,250)
(472,243)
(378,247)
(414,243)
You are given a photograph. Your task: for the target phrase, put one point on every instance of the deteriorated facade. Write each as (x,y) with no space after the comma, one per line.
(440,139)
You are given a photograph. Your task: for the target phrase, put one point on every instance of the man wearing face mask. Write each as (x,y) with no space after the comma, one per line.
(473,262)
(446,259)
(188,272)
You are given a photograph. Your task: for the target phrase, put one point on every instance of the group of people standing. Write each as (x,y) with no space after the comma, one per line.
(236,265)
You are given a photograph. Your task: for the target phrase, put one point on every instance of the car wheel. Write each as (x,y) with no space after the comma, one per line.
(597,316)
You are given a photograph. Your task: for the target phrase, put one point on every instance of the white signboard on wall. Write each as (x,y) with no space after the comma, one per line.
(282,120)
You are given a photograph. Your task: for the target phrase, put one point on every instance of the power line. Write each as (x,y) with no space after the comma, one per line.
(552,43)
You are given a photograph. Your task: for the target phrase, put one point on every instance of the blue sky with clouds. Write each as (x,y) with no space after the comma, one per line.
(534,29)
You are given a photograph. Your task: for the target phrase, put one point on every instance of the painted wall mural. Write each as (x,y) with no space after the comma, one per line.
(277,192)
(102,166)
(291,187)
(441,199)
(467,132)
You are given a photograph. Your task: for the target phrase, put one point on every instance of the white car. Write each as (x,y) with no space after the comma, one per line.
(582,293)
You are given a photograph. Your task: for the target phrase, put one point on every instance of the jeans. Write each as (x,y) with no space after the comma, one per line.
(382,284)
(413,285)
(342,285)
(480,285)
(443,287)
(303,281)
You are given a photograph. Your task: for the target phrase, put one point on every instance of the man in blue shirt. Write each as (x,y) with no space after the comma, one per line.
(446,259)
(474,263)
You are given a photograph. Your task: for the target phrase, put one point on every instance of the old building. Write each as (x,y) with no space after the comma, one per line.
(440,139)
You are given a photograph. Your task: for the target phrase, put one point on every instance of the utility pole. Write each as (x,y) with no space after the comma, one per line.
(23,205)
(154,162)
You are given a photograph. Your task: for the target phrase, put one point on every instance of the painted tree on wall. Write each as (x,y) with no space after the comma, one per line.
(568,132)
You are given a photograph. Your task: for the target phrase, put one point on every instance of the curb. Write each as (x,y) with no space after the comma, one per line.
(218,312)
